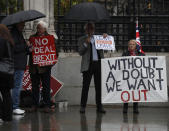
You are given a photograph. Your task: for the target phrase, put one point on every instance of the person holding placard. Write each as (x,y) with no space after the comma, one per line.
(132,51)
(90,66)
(43,57)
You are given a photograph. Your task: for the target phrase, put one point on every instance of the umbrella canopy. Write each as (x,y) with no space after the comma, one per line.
(22,16)
(88,11)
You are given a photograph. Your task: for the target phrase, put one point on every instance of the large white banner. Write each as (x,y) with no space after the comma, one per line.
(134,79)
(104,43)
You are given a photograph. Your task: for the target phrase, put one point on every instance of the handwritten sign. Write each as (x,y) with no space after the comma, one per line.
(104,43)
(55,84)
(134,79)
(44,51)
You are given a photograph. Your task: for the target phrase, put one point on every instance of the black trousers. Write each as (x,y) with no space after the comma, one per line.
(6,104)
(45,79)
(94,70)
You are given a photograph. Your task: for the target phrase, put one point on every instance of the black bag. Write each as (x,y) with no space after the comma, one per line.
(7,64)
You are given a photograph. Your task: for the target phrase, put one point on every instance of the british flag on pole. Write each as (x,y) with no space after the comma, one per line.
(139,47)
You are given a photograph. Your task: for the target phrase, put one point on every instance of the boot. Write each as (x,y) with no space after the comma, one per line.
(82,110)
(101,110)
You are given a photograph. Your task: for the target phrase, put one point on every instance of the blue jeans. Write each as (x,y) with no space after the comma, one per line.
(18,76)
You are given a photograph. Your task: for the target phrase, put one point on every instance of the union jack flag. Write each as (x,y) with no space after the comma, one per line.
(138,46)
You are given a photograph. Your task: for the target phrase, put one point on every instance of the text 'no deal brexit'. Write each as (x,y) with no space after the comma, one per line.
(44,50)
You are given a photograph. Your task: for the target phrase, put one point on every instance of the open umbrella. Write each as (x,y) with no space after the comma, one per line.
(22,16)
(88,11)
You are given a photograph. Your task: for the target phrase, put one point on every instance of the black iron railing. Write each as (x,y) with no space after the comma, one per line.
(154,32)
(152,16)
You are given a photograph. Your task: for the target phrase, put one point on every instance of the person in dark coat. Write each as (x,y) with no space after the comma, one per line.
(20,61)
(40,74)
(132,51)
(6,81)
(90,66)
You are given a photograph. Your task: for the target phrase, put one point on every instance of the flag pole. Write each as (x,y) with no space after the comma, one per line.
(139,47)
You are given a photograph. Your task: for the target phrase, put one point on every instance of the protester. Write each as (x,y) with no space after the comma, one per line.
(6,81)
(40,74)
(90,66)
(20,61)
(132,51)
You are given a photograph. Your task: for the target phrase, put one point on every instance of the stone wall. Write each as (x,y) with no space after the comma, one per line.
(44,6)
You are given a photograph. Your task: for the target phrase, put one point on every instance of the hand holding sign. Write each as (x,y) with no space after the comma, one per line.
(105,35)
(88,39)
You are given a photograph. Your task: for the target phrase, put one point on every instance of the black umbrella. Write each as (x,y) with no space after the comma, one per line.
(22,16)
(88,11)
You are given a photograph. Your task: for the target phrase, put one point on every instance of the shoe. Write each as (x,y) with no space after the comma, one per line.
(125,110)
(47,110)
(1,121)
(18,117)
(32,109)
(135,111)
(101,110)
(6,119)
(82,110)
(18,111)
(52,106)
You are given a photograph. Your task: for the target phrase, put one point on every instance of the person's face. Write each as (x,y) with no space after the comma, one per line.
(132,46)
(20,26)
(90,30)
(40,30)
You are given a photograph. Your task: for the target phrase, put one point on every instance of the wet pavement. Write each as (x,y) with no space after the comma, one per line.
(69,119)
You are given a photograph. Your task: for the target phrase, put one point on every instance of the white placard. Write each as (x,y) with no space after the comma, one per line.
(104,43)
(134,79)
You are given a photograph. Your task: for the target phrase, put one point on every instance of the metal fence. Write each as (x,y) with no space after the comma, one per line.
(154,32)
(153,25)
(153,16)
(10,6)
(1,17)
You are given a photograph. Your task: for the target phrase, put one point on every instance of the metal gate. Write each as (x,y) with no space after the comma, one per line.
(10,6)
(153,19)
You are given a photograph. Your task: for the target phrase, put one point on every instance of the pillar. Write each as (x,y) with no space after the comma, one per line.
(44,6)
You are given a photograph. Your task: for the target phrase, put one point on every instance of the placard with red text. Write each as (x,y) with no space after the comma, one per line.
(134,79)
(104,43)
(55,84)
(44,50)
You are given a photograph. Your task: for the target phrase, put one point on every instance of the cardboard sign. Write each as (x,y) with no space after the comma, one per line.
(134,79)
(44,50)
(104,43)
(55,85)
(26,82)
